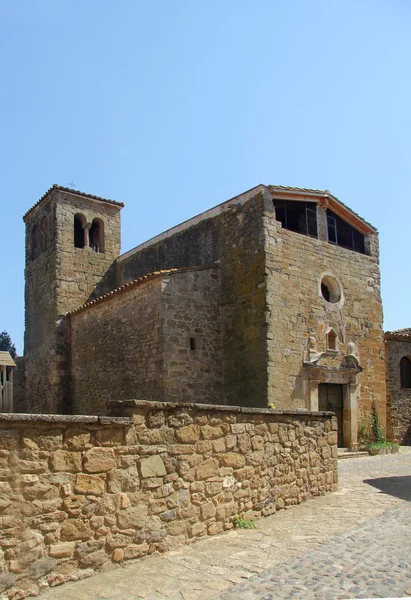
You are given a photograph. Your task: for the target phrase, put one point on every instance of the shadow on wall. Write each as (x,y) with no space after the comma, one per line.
(395,486)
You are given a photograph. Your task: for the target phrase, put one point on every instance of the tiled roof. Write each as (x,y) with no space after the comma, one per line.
(5,359)
(287,188)
(399,334)
(282,188)
(76,192)
(139,281)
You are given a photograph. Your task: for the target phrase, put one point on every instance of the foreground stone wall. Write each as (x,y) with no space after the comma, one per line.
(398,398)
(82,493)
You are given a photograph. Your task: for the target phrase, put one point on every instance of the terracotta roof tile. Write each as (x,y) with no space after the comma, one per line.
(399,334)
(76,192)
(139,281)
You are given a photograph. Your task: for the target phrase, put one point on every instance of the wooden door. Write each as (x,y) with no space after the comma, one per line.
(330,397)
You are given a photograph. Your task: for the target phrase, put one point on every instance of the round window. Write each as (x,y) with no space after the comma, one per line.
(330,289)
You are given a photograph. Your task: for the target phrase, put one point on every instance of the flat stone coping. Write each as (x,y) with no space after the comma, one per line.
(214,408)
(166,406)
(64,419)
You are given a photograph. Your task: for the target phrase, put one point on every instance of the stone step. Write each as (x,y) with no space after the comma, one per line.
(347,453)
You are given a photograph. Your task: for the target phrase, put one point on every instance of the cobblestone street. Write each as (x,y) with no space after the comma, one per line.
(354,543)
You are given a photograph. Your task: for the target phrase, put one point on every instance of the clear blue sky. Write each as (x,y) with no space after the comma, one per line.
(175,106)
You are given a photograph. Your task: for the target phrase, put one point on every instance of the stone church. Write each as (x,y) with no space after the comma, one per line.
(270,298)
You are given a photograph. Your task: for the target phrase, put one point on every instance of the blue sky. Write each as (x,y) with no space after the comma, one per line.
(173,107)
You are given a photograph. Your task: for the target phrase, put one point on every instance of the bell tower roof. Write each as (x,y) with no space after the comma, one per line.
(60,188)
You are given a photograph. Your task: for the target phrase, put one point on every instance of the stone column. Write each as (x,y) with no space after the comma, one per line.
(313,387)
(86,228)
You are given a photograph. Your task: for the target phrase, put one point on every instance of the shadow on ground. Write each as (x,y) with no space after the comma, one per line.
(395,486)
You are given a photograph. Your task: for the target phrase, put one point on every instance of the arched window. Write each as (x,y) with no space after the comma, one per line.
(331,340)
(79,222)
(405,372)
(97,235)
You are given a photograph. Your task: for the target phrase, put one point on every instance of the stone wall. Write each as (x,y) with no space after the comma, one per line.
(300,316)
(83,493)
(398,399)
(157,339)
(116,349)
(19,397)
(234,238)
(192,368)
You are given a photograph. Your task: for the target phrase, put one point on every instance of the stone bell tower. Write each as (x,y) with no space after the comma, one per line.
(72,243)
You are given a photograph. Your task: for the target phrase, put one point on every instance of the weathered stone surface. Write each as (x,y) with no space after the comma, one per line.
(89,484)
(152,467)
(232,459)
(134,516)
(188,435)
(132,501)
(99,460)
(62,550)
(208,468)
(62,460)
(75,529)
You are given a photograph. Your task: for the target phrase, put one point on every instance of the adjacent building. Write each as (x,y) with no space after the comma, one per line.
(398,369)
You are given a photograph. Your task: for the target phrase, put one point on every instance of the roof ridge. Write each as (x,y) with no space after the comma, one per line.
(61,188)
(139,280)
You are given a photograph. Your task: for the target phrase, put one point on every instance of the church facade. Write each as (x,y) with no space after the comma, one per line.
(269,299)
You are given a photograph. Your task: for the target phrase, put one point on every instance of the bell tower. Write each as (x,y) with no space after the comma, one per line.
(72,243)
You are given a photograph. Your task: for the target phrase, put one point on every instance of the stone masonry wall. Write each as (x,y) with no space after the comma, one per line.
(295,264)
(398,399)
(137,343)
(235,239)
(83,493)
(192,368)
(116,349)
(60,278)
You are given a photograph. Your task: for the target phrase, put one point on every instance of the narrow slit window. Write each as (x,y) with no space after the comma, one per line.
(193,345)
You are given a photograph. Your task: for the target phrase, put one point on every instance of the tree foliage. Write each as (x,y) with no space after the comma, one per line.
(6,344)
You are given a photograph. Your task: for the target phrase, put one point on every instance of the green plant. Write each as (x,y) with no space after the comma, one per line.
(241,523)
(383,444)
(378,437)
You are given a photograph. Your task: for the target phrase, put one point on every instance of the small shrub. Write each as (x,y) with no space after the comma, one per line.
(241,523)
(378,437)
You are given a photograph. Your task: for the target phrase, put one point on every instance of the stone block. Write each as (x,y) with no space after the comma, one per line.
(188,435)
(63,460)
(152,467)
(208,511)
(232,459)
(133,516)
(89,484)
(62,550)
(75,529)
(99,460)
(207,468)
